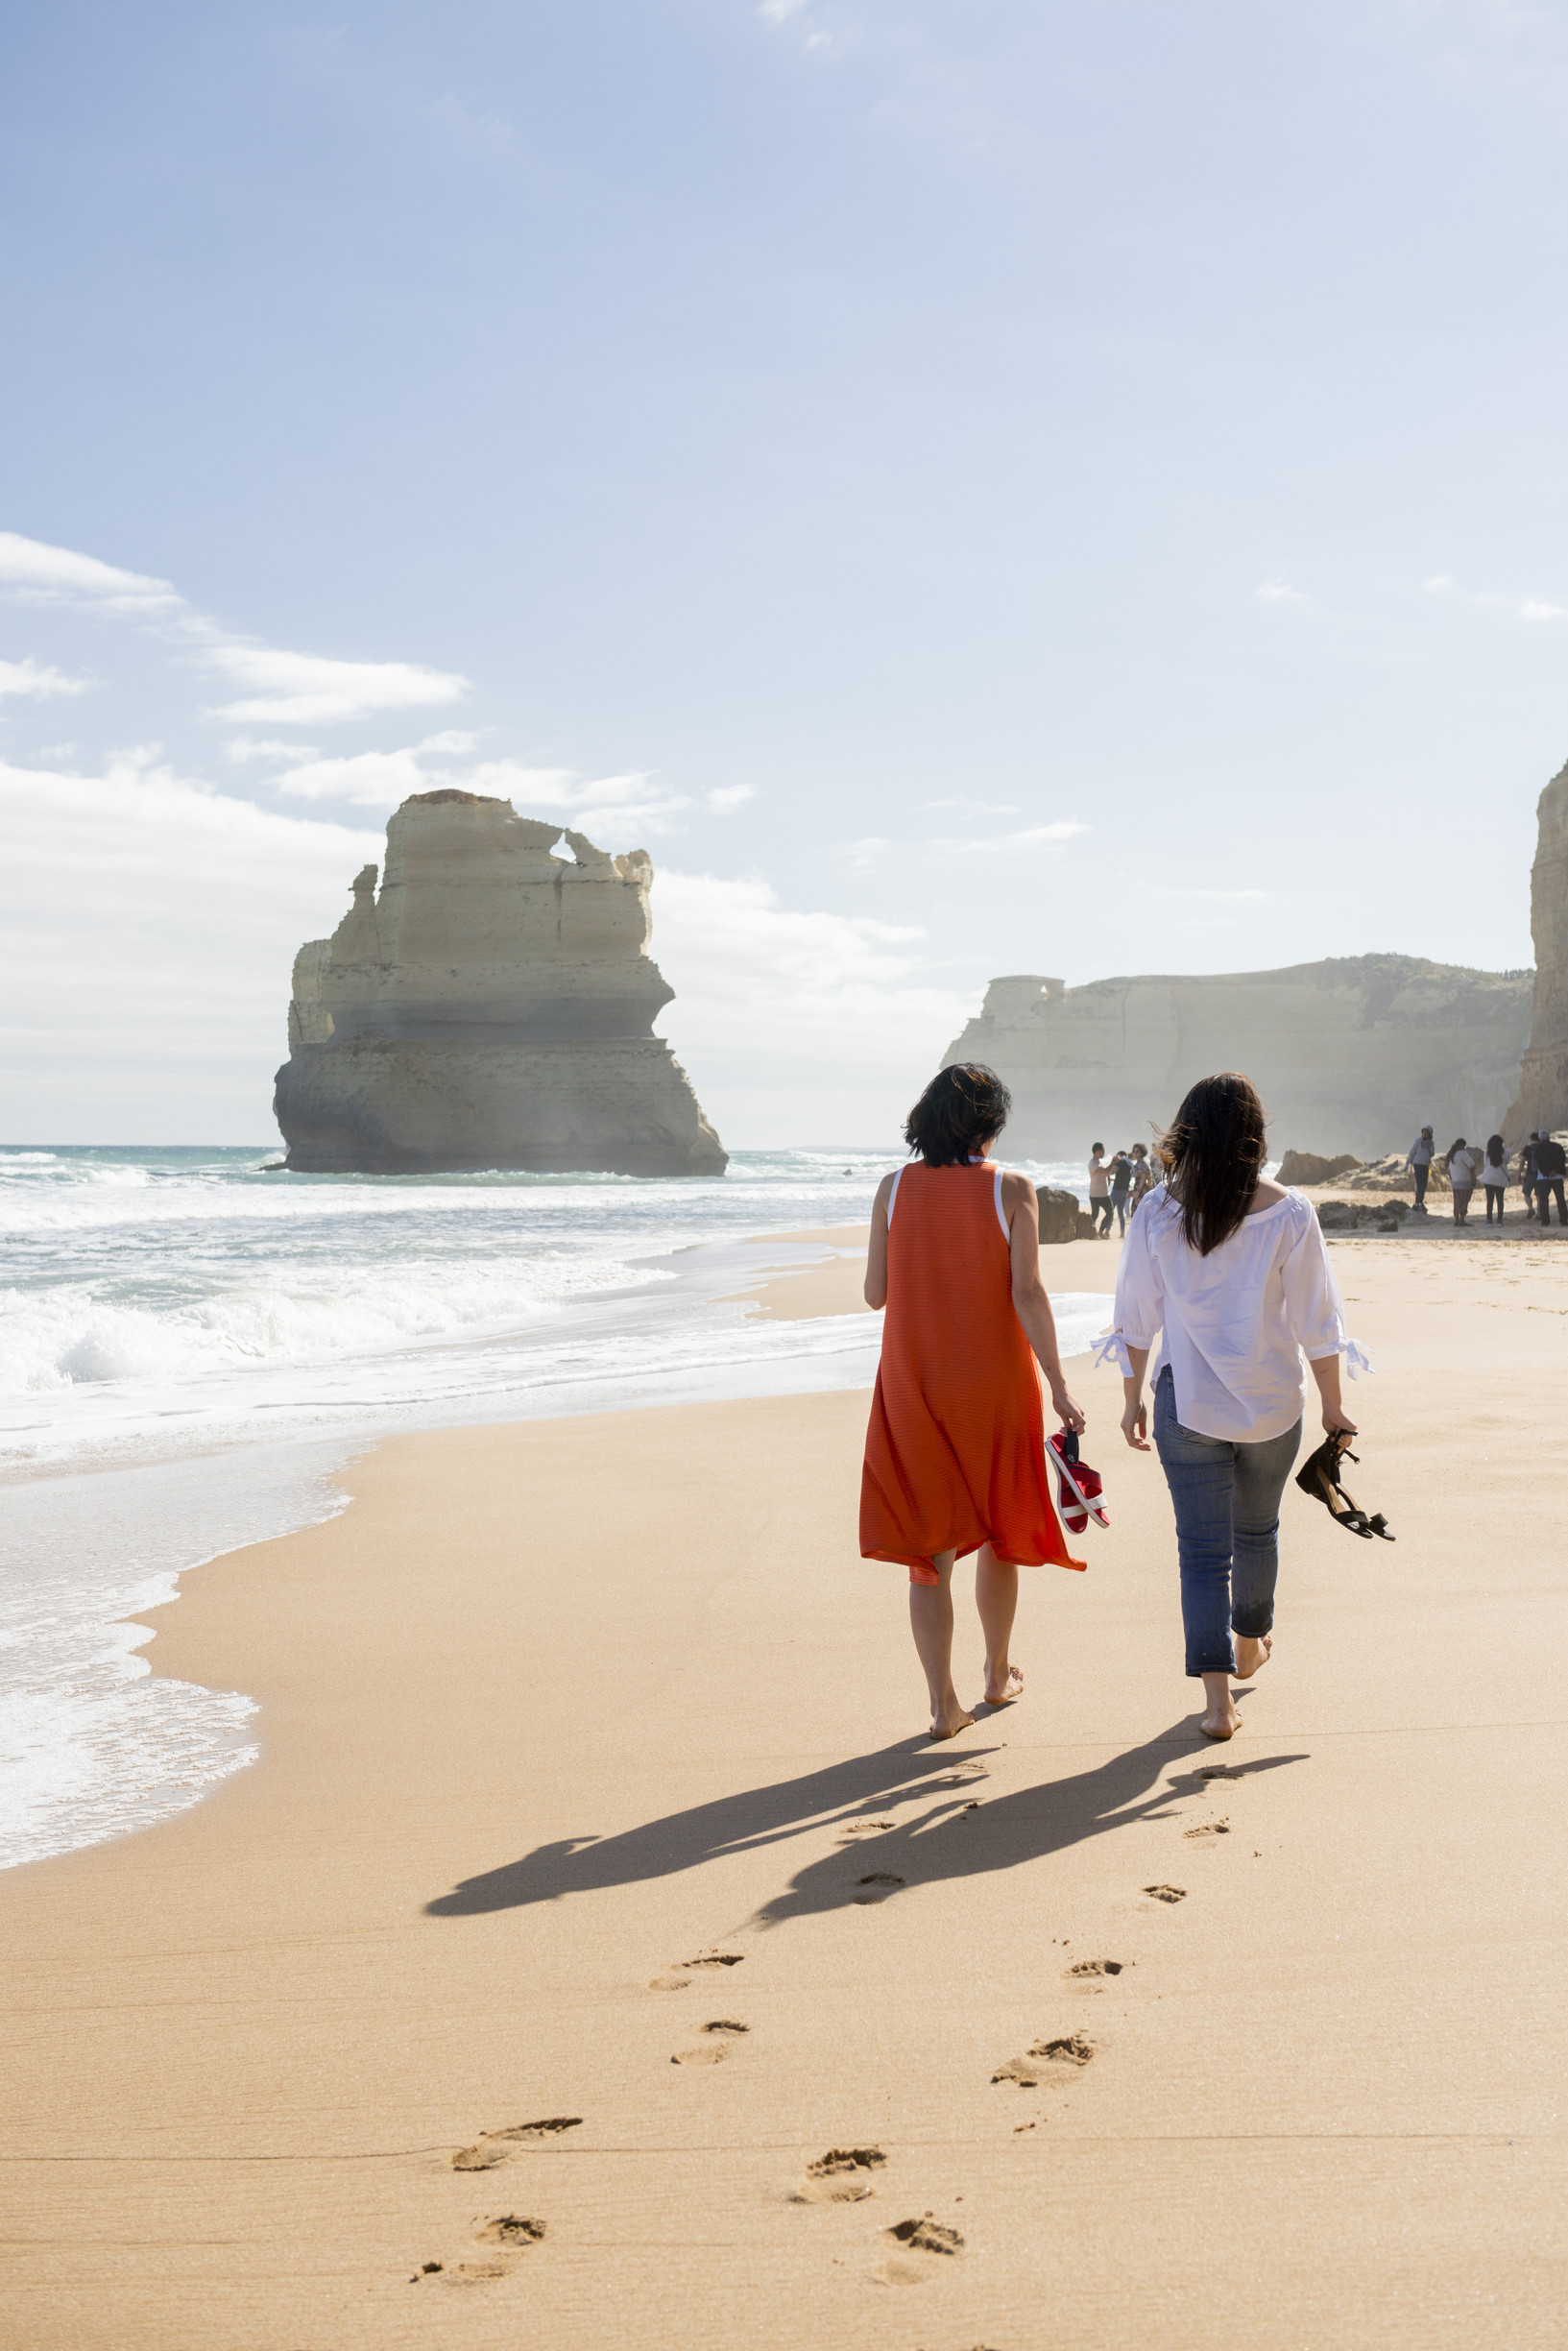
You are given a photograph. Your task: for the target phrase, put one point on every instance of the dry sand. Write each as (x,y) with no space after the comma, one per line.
(554,1712)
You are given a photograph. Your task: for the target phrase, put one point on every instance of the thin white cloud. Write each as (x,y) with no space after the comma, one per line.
(450,738)
(287,688)
(1280,592)
(729,797)
(1527,608)
(863,855)
(1030,837)
(311,690)
(608,802)
(780,11)
(37,681)
(381,779)
(37,573)
(365,779)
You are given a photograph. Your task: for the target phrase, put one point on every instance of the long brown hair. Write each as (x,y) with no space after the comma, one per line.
(1213,1152)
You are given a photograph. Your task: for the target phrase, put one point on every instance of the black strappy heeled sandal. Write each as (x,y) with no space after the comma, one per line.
(1319,1477)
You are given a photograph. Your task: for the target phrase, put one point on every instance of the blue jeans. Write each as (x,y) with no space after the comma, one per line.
(1226,1500)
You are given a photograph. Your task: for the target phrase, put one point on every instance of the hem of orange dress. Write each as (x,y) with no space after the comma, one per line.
(906,1559)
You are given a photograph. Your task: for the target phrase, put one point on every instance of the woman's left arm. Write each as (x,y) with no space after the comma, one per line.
(1030,1304)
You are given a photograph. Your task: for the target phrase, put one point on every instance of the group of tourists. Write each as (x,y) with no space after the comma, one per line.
(1224,1283)
(1538,1168)
(1116,1185)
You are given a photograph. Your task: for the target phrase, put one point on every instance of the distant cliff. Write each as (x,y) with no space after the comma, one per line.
(493,1008)
(1355,1053)
(1543,1080)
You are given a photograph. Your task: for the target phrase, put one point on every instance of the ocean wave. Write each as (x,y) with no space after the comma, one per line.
(73,1335)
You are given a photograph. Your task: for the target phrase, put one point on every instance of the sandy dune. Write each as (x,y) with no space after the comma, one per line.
(600,1927)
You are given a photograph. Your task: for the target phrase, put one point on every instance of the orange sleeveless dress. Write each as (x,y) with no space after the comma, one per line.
(955,1449)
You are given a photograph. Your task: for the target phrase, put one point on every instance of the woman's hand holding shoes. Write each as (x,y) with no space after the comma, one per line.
(1067,1412)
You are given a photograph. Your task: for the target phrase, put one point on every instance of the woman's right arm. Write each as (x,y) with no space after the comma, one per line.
(876,1289)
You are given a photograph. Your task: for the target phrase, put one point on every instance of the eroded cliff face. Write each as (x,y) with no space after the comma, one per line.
(1543,1079)
(1356,1054)
(493,1008)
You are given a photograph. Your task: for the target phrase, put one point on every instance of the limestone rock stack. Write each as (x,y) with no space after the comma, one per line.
(493,1007)
(1363,1049)
(1543,1079)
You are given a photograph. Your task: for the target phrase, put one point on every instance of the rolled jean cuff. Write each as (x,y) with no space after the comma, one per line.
(1198,1663)
(1251,1624)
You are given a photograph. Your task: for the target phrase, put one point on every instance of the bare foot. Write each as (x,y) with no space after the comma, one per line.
(1252,1656)
(1218,1719)
(1011,1689)
(951,1724)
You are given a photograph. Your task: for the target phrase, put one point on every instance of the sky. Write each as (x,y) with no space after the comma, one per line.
(972,486)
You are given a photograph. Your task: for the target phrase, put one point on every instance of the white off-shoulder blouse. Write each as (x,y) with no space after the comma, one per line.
(1235,1325)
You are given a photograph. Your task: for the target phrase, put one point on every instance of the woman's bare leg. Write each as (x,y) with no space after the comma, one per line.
(995,1596)
(930,1620)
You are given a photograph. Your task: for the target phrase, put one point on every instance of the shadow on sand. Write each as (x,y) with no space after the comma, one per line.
(942,1839)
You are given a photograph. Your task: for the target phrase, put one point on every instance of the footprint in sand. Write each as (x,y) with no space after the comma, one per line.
(510,2233)
(1209,1828)
(1167,1893)
(510,2229)
(685,1972)
(877,1886)
(841,2176)
(492,2148)
(1047,2061)
(1100,1967)
(864,1827)
(926,2235)
(711,2051)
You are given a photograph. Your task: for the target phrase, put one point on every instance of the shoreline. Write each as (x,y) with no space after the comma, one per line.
(554,1709)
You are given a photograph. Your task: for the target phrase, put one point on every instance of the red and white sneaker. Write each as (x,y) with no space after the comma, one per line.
(1078,1485)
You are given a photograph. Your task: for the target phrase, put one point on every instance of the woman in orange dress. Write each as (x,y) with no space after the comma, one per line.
(956,1451)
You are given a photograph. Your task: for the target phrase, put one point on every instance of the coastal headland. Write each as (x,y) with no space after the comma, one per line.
(601,1953)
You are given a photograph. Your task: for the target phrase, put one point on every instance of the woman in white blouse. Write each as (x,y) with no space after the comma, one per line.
(1229,1271)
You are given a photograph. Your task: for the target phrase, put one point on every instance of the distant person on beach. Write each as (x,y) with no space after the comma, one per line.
(1099,1188)
(1418,1158)
(1143,1175)
(1459,1166)
(1494,1174)
(1525,1172)
(1120,1186)
(1232,1270)
(955,1449)
(1550,1167)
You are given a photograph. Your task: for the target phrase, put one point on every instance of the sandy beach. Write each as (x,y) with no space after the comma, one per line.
(600,1953)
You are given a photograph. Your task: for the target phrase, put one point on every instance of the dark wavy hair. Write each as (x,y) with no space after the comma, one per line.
(962,1109)
(1213,1152)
